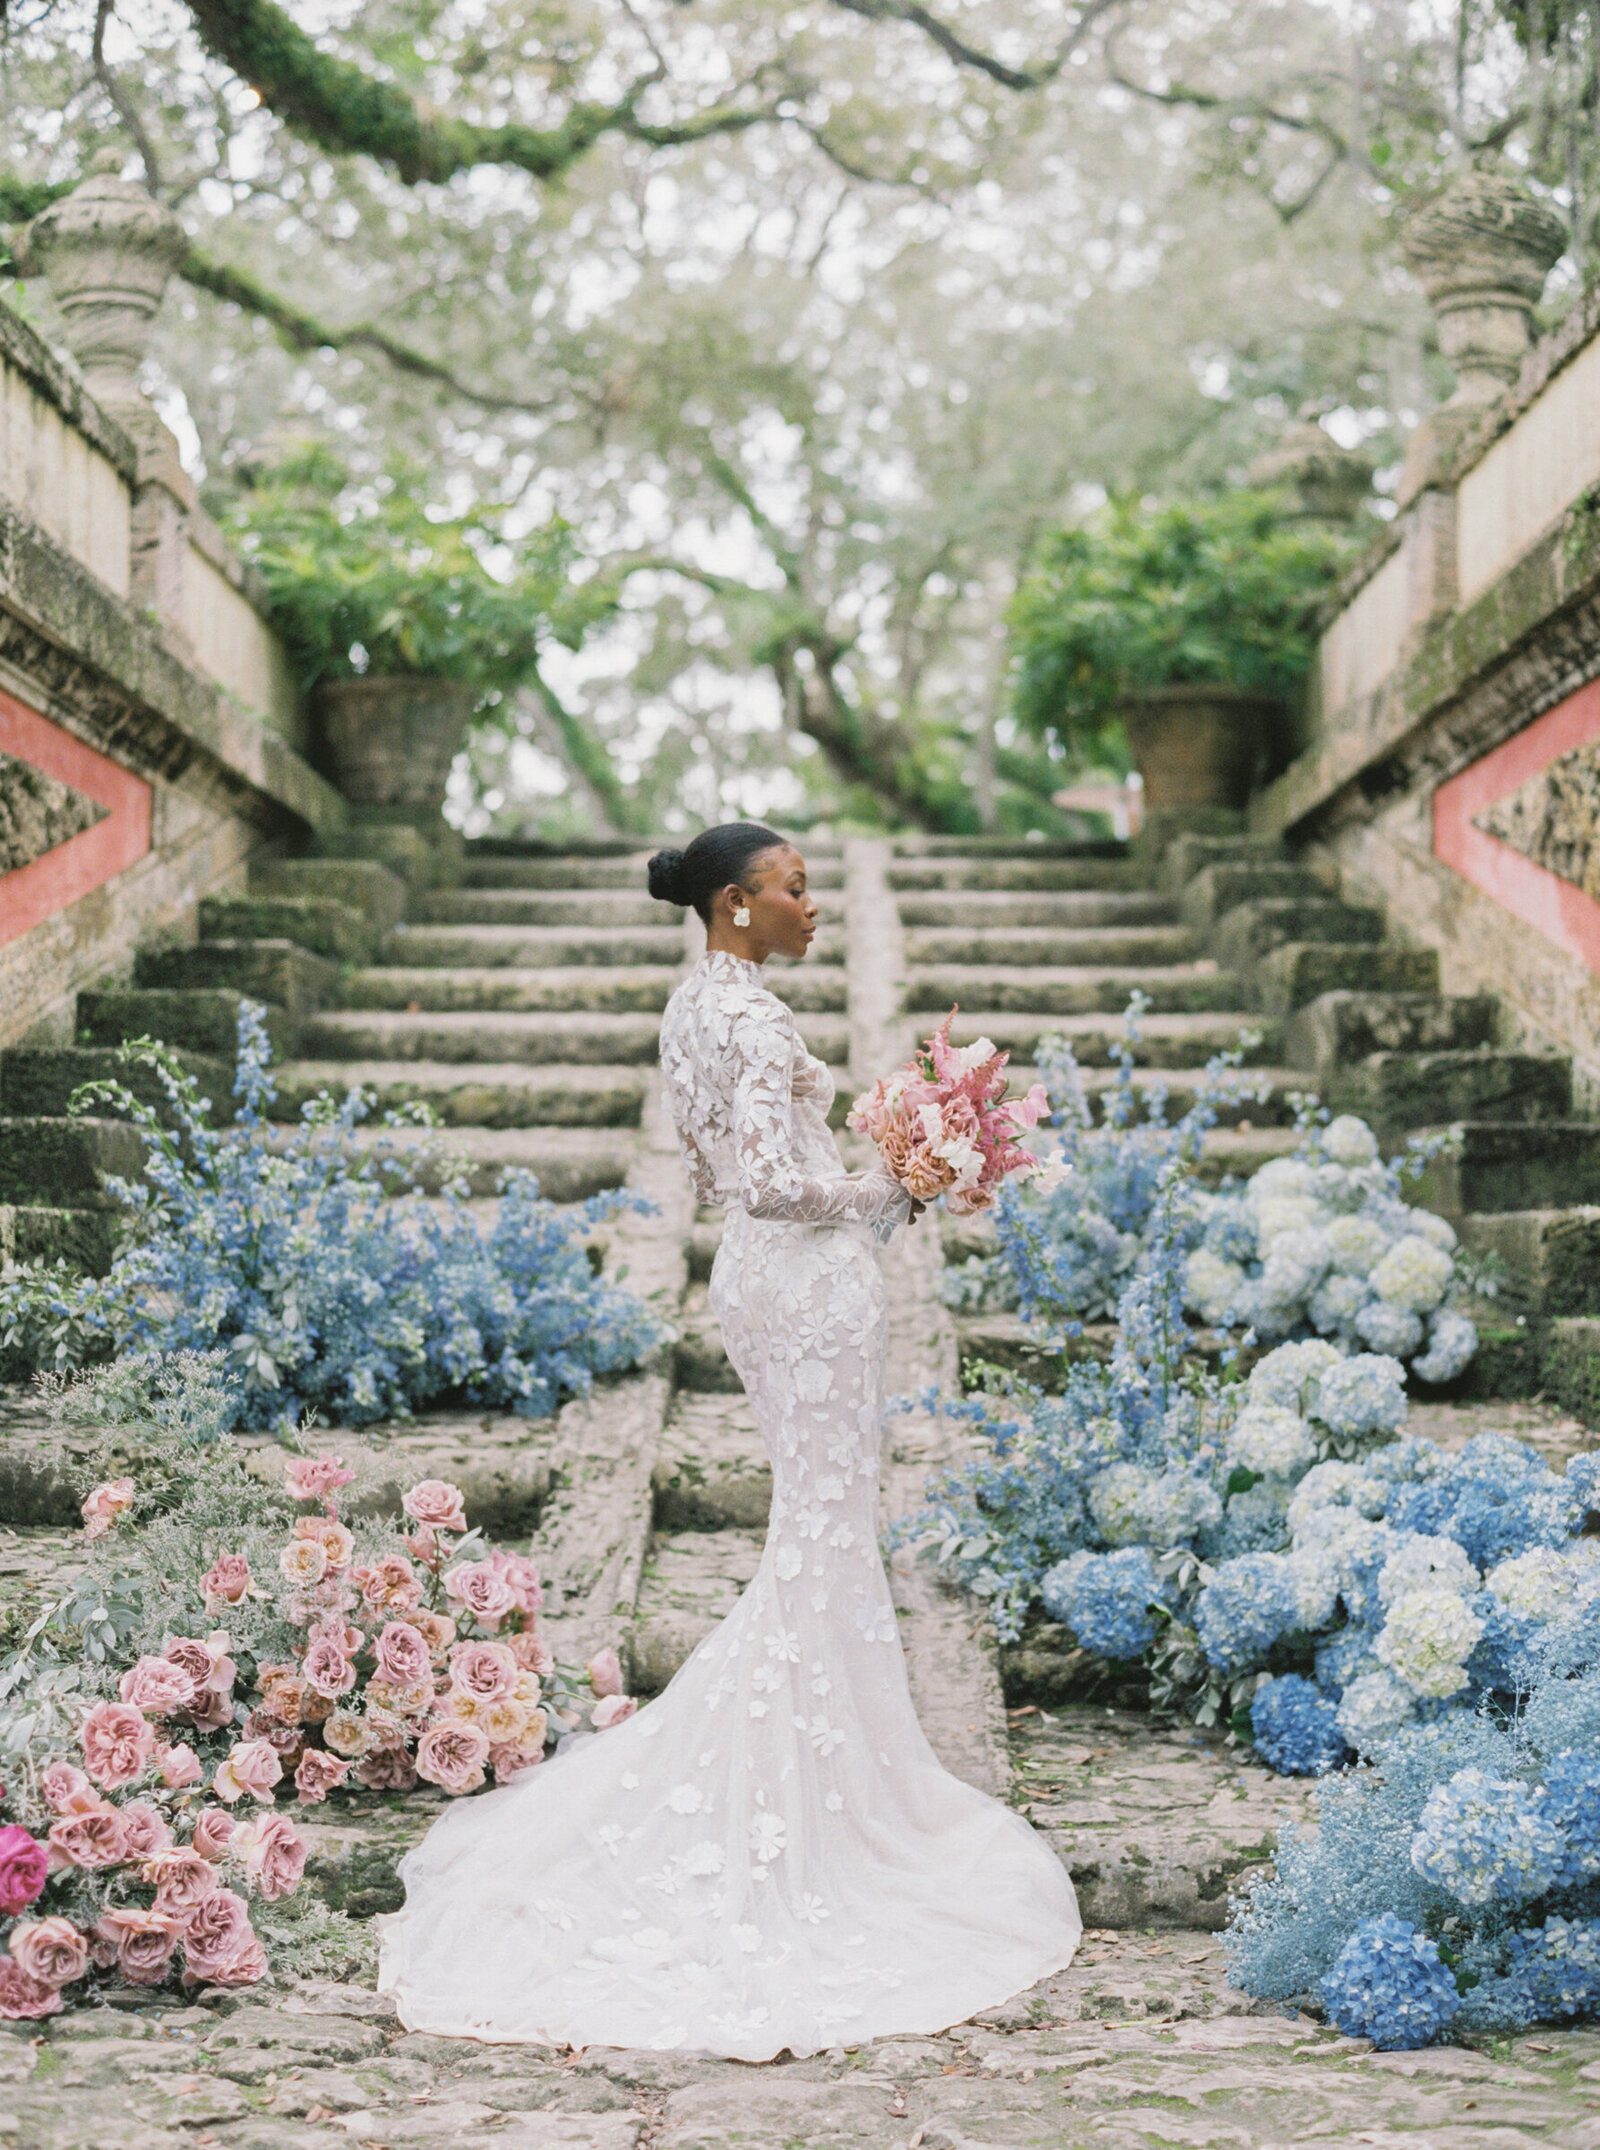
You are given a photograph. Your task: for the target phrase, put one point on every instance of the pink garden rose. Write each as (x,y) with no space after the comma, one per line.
(144,1831)
(50,1950)
(452,1755)
(532,1653)
(304,1562)
(401,1655)
(387,1769)
(328,1532)
(313,1478)
(23,1998)
(219,1943)
(67,1789)
(89,1838)
(391,1586)
(226,1582)
(117,1743)
(274,1854)
(513,1760)
(485,1670)
(613,1710)
(486,1595)
(157,1686)
(145,1941)
(436,1504)
(326,1665)
(252,1767)
(24,1864)
(605,1672)
(319,1772)
(521,1577)
(213,1830)
(179,1767)
(180,1877)
(105,1504)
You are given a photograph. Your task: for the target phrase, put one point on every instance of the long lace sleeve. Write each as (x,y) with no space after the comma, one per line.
(771,1182)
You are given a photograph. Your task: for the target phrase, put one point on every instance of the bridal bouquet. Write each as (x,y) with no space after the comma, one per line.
(944,1125)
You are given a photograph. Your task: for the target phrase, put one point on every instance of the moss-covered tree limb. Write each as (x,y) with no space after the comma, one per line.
(586,754)
(346,109)
(955,47)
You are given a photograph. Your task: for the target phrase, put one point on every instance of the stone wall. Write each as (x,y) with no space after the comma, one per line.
(149,734)
(1452,767)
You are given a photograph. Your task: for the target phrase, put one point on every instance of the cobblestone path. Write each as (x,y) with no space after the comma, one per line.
(524,1006)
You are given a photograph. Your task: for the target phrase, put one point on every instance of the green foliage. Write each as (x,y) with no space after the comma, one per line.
(370,578)
(1222,591)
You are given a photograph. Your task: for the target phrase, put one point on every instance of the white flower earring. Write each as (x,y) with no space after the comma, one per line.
(741,917)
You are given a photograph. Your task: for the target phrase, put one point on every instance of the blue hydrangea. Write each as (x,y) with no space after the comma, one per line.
(1362,1396)
(1105,1598)
(1486,1840)
(1554,1971)
(1452,1342)
(1583,1479)
(1570,1800)
(1295,1727)
(1243,1610)
(1345,1657)
(1497,1497)
(1390,1984)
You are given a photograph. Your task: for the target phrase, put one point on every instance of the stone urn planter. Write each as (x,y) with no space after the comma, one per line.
(1197,746)
(387,743)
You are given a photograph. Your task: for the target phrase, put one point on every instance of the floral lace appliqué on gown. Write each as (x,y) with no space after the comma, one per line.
(769,1855)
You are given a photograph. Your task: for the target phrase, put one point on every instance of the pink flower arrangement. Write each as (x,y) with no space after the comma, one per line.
(104,1504)
(943,1124)
(24,1864)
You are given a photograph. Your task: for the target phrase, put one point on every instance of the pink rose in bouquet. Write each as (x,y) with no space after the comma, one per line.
(390,1586)
(613,1710)
(24,1865)
(50,1950)
(252,1767)
(23,1998)
(605,1672)
(226,1582)
(452,1755)
(157,1686)
(118,1740)
(179,1767)
(436,1504)
(274,1854)
(521,1577)
(475,1585)
(943,1124)
(213,1832)
(180,1876)
(105,1504)
(66,1790)
(314,1478)
(144,1831)
(88,1838)
(145,1942)
(318,1774)
(401,1656)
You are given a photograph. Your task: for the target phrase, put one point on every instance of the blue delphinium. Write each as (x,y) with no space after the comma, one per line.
(1390,1984)
(1484,1839)
(1245,1608)
(1295,1727)
(1106,1600)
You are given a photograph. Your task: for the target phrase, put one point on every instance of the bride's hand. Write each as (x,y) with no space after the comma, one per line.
(916,1210)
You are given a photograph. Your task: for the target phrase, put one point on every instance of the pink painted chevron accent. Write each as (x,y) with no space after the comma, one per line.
(47,885)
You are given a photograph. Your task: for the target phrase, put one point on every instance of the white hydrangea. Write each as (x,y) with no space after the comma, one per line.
(1374,1705)
(1336,1302)
(1423,1560)
(1392,1330)
(1349,1141)
(1536,1585)
(1327,1491)
(1314,1579)
(1357,1244)
(1414,1274)
(1362,1395)
(1176,1506)
(1277,1214)
(1291,1375)
(1427,1226)
(1212,1287)
(1452,1340)
(1293,1266)
(1271,1441)
(1285,1178)
(1113,1499)
(1427,1639)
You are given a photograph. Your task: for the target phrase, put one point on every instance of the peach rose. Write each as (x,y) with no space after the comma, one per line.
(328,1532)
(533,1653)
(274,1854)
(486,1671)
(313,1478)
(213,1831)
(157,1685)
(436,1504)
(67,1790)
(226,1582)
(474,1585)
(605,1672)
(437,1630)
(180,1876)
(387,1769)
(145,1941)
(89,1838)
(105,1504)
(452,1755)
(49,1950)
(179,1767)
(23,1998)
(347,1734)
(401,1655)
(117,1743)
(390,1586)
(252,1767)
(304,1562)
(613,1710)
(318,1774)
(926,1176)
(143,1830)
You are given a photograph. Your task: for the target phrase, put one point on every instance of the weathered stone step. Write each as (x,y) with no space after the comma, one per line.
(713,1472)
(1190,854)
(1072,989)
(602,989)
(1166,1041)
(1343,1028)
(360,884)
(691,1580)
(86,1239)
(699,1361)
(1552,1255)
(375,1034)
(1298,972)
(279,972)
(1046,947)
(1154,1825)
(608,908)
(199,1021)
(571,1163)
(475,1093)
(1253,930)
(534,947)
(66,1164)
(1086,909)
(1221,887)
(1396,1091)
(1514,1165)
(625,871)
(42,1079)
(1053,874)
(320,924)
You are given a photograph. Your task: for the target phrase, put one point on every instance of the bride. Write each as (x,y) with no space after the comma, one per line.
(769,1855)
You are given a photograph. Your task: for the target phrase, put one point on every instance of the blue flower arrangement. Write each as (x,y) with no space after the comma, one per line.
(330,1283)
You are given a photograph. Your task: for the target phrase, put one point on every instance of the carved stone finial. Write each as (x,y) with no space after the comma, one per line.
(107,250)
(1481,251)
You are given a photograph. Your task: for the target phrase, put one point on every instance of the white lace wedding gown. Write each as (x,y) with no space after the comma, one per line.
(769,1855)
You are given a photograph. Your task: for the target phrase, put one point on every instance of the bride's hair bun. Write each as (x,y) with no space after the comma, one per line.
(667,877)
